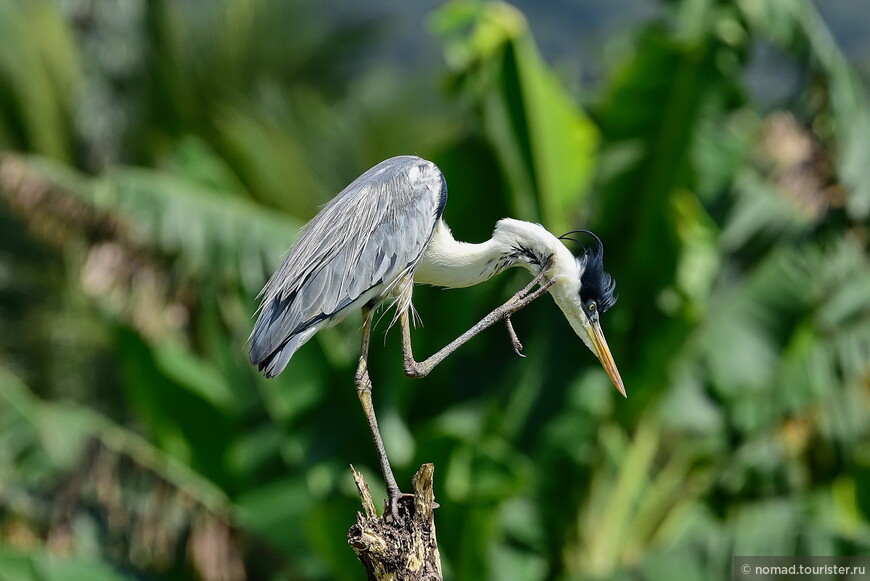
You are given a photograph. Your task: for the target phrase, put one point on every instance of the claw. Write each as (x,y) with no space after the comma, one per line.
(393,504)
(515,341)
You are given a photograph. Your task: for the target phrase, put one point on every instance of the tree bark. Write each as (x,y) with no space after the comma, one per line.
(398,551)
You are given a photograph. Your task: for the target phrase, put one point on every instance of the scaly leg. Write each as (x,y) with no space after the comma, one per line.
(414,368)
(364,391)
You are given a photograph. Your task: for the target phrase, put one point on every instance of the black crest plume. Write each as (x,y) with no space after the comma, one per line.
(595,283)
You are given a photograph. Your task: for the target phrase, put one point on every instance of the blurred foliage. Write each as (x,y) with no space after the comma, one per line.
(156,160)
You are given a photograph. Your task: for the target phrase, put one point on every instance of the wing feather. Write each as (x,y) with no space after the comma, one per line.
(359,245)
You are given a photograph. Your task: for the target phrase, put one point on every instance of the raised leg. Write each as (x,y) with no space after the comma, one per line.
(364,391)
(414,368)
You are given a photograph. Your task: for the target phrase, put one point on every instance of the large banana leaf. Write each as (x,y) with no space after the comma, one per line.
(545,144)
(208,233)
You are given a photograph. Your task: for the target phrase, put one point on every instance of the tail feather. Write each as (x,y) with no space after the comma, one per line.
(275,362)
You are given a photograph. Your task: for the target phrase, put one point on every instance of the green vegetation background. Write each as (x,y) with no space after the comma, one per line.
(157,159)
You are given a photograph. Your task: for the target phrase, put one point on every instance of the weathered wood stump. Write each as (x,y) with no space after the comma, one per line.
(398,551)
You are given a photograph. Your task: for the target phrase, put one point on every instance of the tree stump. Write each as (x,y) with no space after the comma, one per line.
(398,551)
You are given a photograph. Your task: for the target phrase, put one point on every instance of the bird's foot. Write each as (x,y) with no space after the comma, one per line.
(397,505)
(515,341)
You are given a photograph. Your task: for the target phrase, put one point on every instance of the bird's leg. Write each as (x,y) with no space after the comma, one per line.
(364,391)
(515,341)
(414,368)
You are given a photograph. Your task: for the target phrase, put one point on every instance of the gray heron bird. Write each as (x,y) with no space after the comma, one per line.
(382,234)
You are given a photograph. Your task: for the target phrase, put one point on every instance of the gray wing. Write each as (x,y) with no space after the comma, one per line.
(352,252)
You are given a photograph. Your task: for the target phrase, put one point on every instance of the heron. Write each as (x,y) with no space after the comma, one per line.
(383,233)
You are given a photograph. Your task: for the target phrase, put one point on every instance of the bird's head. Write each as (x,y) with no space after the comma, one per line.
(583,290)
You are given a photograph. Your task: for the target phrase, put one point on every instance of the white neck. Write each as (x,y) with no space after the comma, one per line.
(450,263)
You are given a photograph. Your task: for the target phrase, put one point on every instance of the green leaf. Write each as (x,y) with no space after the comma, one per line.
(166,402)
(209,232)
(192,373)
(275,511)
(544,142)
(39,64)
(49,436)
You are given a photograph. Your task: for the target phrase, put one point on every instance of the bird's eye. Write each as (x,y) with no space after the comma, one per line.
(591,307)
